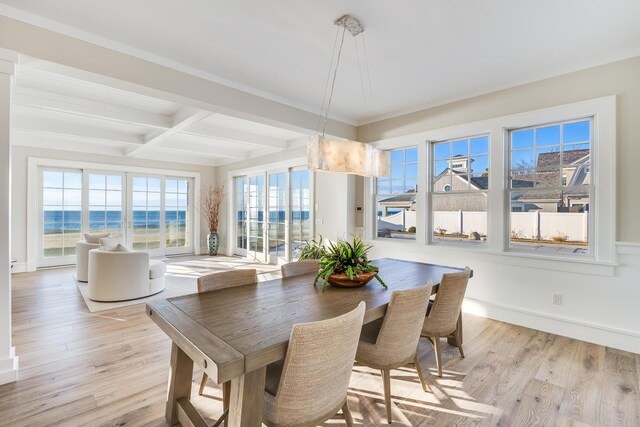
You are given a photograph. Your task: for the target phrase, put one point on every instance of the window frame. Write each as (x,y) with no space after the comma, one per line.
(593,161)
(603,111)
(430,186)
(417,193)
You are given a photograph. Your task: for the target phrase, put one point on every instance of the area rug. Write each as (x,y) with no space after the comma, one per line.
(181,278)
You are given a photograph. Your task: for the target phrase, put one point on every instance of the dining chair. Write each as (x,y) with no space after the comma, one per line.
(442,319)
(310,385)
(222,280)
(297,268)
(391,342)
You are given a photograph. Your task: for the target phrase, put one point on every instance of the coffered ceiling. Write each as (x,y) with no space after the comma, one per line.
(52,109)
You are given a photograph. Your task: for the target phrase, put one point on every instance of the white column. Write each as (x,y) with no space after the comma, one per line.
(8,359)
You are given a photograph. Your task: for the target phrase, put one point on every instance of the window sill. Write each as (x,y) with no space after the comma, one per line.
(413,249)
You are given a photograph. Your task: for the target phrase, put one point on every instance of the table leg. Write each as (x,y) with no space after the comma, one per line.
(451,338)
(247,399)
(180,378)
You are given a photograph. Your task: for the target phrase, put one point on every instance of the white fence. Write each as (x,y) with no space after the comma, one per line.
(526,225)
(460,222)
(547,225)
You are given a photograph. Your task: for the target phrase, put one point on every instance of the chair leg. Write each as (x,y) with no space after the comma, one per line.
(203,383)
(347,414)
(436,347)
(416,362)
(386,376)
(458,336)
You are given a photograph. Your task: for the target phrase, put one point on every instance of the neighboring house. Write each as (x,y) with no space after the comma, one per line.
(576,171)
(460,177)
(400,202)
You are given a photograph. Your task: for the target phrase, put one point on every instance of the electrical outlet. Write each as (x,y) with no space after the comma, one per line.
(557,299)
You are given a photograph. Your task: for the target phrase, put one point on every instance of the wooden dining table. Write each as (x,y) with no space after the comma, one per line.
(232,334)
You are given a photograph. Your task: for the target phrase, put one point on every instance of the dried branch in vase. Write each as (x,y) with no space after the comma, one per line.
(210,200)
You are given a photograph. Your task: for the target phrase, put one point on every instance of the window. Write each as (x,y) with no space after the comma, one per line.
(177,219)
(152,213)
(241,201)
(105,203)
(61,213)
(300,205)
(277,217)
(146,212)
(550,178)
(396,196)
(460,183)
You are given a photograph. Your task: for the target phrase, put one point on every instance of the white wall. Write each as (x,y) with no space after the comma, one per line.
(20,157)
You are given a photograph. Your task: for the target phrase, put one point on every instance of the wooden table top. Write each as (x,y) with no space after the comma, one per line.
(253,323)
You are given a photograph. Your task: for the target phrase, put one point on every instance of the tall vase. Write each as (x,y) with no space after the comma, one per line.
(213,240)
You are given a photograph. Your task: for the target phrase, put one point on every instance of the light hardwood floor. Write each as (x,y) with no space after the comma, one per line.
(110,368)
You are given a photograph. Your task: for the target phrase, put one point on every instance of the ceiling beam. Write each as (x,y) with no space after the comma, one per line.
(234,135)
(44,100)
(204,151)
(182,120)
(73,130)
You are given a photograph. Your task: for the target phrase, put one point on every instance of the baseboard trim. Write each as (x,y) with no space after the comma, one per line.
(9,368)
(19,267)
(584,331)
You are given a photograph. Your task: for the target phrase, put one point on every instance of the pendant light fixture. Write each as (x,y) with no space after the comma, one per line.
(329,154)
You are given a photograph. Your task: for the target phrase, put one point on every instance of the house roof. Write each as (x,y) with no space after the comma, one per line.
(399,198)
(552,159)
(482,182)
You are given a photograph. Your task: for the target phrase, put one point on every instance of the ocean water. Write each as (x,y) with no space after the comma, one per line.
(279,216)
(55,221)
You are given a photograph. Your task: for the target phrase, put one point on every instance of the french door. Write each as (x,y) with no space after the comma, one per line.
(153,213)
(286,198)
(277,225)
(256,218)
(107,198)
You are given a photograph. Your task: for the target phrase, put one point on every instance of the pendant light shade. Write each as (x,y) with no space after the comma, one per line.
(344,156)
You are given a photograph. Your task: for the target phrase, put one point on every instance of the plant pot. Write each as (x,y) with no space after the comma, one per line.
(213,241)
(343,281)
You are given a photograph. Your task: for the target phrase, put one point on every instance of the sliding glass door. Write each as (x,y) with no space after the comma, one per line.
(151,212)
(285,196)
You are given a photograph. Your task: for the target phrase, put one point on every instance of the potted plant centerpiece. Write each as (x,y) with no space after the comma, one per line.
(210,200)
(344,264)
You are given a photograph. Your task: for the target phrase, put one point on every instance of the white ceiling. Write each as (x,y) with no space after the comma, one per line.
(52,109)
(421,52)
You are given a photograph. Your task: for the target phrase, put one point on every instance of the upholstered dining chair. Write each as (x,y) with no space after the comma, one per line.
(222,280)
(391,342)
(297,268)
(442,319)
(310,385)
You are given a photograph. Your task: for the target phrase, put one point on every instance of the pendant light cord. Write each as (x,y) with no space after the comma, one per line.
(326,84)
(333,82)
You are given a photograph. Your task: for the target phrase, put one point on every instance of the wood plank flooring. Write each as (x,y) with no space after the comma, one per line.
(110,369)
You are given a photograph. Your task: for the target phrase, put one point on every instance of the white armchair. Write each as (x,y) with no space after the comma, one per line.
(120,276)
(82,259)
